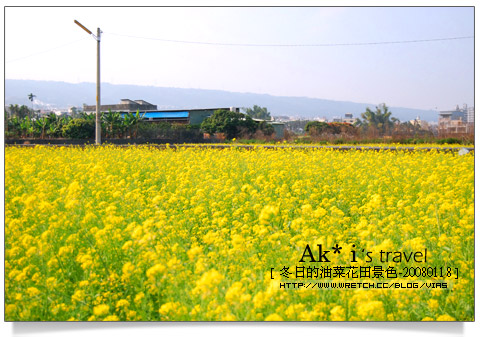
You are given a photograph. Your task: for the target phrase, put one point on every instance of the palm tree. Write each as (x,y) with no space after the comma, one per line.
(31,97)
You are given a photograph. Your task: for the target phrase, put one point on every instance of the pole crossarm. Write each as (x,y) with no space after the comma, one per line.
(96,37)
(83,27)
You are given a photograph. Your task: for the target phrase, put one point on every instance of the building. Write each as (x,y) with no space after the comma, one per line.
(349,119)
(458,121)
(471,114)
(420,123)
(281,118)
(125,105)
(457,114)
(151,114)
(184,116)
(278,127)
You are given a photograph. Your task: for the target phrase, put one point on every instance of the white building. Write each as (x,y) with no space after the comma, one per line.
(422,124)
(349,119)
(471,114)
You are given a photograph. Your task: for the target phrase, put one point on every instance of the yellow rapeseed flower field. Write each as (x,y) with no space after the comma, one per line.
(139,233)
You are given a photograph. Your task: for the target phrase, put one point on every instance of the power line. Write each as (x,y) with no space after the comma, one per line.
(293,45)
(46,51)
(251,44)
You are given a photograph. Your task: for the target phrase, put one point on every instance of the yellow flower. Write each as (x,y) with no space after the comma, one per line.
(206,285)
(10,309)
(236,293)
(273,317)
(136,233)
(155,270)
(267,214)
(371,310)
(101,310)
(111,318)
(445,317)
(433,304)
(32,291)
(168,307)
(337,314)
(78,295)
(139,297)
(123,303)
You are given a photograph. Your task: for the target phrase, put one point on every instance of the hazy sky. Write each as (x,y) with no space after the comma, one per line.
(417,75)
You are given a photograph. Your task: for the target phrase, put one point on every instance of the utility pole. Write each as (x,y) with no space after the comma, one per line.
(98,128)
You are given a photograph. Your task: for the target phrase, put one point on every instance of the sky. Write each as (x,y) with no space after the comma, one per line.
(424,75)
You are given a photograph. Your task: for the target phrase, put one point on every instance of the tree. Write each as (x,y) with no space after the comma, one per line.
(113,123)
(131,120)
(24,112)
(258,112)
(26,127)
(42,124)
(266,128)
(19,111)
(316,128)
(379,120)
(31,97)
(54,125)
(297,126)
(232,124)
(88,116)
(74,112)
(14,127)
(79,128)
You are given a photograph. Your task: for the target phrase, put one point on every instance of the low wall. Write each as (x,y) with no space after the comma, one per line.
(104,141)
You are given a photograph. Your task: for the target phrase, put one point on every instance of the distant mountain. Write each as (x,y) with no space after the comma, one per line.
(63,95)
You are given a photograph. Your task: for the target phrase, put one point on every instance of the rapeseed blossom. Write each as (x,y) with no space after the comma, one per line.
(138,233)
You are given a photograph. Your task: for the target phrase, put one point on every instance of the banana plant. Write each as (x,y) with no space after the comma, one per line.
(42,124)
(131,120)
(14,126)
(27,127)
(54,129)
(88,117)
(113,122)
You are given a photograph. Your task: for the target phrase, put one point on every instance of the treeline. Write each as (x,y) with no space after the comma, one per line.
(21,122)
(232,124)
(378,123)
(374,126)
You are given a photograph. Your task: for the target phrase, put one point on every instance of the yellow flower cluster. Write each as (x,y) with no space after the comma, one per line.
(138,233)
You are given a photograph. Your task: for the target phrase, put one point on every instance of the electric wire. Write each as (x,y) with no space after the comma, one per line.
(251,44)
(46,51)
(293,45)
